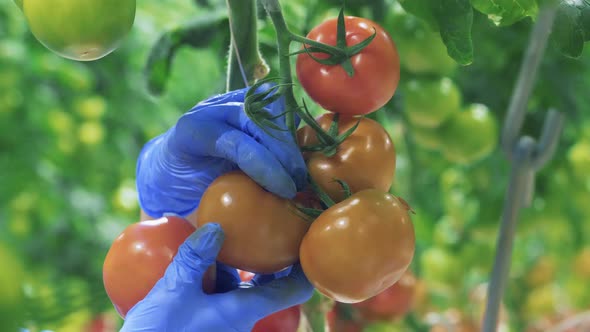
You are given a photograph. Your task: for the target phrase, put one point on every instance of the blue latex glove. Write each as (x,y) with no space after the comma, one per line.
(177,302)
(213,138)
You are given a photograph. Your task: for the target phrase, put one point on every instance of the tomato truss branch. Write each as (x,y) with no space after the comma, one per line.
(283,43)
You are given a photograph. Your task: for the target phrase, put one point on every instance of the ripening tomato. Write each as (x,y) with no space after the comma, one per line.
(139,257)
(376,69)
(365,160)
(286,320)
(262,231)
(359,247)
(393,303)
(80,30)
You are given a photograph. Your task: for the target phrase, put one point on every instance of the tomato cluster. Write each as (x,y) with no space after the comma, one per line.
(353,238)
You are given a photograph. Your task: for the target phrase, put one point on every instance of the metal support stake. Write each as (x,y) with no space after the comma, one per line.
(527,156)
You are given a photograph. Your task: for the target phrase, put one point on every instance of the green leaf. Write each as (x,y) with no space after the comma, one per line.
(568,33)
(421,9)
(455,20)
(198,33)
(506,12)
(585,20)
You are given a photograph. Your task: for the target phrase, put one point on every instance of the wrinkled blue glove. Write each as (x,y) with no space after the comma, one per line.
(177,302)
(213,138)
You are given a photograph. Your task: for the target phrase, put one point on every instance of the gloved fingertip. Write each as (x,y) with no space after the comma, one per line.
(288,189)
(207,240)
(300,178)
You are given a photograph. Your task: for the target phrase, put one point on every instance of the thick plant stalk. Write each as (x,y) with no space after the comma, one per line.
(245,63)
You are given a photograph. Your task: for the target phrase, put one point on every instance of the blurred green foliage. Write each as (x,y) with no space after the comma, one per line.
(70,133)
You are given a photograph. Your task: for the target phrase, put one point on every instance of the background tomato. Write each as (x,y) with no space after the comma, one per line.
(470,135)
(261,240)
(246,276)
(366,159)
(392,303)
(376,69)
(359,247)
(77,30)
(421,50)
(12,300)
(139,257)
(282,321)
(429,102)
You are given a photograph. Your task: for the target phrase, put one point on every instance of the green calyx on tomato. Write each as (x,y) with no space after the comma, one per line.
(376,68)
(359,247)
(341,53)
(429,102)
(368,147)
(256,240)
(80,30)
(470,135)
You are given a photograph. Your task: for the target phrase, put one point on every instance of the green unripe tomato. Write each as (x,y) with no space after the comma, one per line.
(80,30)
(428,138)
(429,102)
(470,135)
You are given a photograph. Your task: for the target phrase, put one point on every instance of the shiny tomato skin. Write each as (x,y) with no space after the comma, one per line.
(286,320)
(365,160)
(376,69)
(139,257)
(262,231)
(359,247)
(392,303)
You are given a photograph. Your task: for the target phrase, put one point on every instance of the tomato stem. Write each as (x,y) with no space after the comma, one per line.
(284,36)
(283,42)
(245,64)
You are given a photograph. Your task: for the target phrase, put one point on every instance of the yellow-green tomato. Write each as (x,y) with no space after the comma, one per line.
(470,135)
(429,102)
(82,30)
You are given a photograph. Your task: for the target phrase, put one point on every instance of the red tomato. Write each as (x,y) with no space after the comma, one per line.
(139,257)
(337,323)
(368,148)
(393,303)
(102,323)
(359,247)
(262,231)
(282,321)
(376,69)
(246,276)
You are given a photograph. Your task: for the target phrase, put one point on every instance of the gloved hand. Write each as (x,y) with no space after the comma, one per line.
(177,302)
(215,137)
